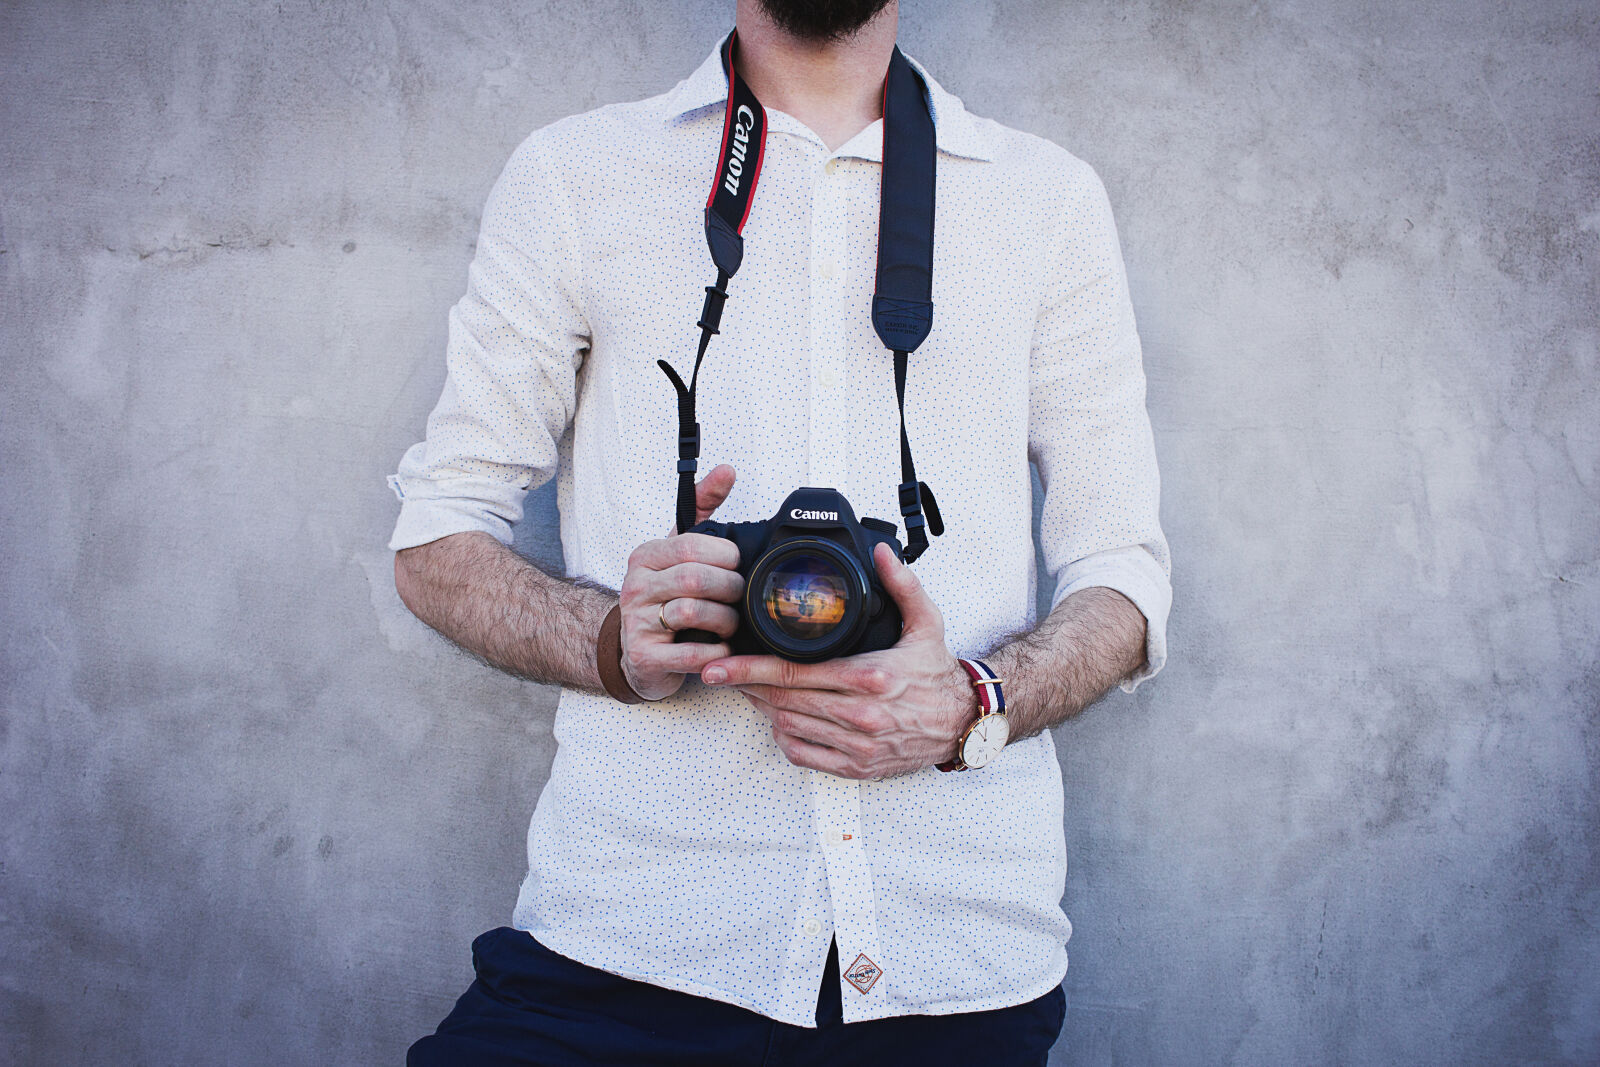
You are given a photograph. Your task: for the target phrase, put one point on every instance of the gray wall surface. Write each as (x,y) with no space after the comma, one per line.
(254,812)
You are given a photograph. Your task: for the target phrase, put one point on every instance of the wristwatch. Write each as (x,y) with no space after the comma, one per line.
(990,731)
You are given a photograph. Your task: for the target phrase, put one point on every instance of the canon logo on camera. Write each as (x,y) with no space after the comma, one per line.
(802,513)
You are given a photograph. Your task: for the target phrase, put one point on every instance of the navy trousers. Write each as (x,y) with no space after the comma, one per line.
(529,1005)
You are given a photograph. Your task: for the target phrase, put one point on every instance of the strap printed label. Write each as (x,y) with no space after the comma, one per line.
(744,142)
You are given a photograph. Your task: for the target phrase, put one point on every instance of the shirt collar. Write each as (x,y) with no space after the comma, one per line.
(956,130)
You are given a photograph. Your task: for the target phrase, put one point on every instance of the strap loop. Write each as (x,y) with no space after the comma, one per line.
(711,310)
(688,428)
(935,520)
(914,494)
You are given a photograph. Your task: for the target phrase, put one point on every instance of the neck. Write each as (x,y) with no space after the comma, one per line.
(834,87)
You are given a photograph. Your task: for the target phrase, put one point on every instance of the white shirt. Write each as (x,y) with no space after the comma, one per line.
(673,842)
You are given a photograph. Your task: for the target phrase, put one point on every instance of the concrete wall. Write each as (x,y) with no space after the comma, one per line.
(254,813)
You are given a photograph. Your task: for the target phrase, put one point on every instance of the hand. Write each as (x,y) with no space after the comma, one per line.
(867,716)
(679,582)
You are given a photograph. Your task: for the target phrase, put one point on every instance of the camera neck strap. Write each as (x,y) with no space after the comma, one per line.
(902,301)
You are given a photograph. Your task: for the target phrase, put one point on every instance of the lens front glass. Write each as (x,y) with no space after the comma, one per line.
(806,595)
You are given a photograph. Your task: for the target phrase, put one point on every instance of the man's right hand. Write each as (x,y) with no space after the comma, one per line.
(680,582)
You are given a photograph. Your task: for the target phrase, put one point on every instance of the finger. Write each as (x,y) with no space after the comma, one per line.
(655,660)
(846,712)
(712,490)
(854,675)
(666,552)
(803,753)
(804,701)
(771,670)
(818,731)
(696,581)
(683,613)
(918,612)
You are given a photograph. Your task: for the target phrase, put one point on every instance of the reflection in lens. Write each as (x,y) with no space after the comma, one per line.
(806,596)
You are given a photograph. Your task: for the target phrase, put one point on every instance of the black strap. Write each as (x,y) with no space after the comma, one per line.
(902,301)
(688,428)
(744,142)
(915,496)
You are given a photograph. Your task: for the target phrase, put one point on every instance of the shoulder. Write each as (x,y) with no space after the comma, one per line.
(1055,191)
(627,149)
(1029,168)
(594,154)
(1038,163)
(575,140)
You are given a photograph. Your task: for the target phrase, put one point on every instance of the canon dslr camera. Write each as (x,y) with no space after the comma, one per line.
(811,591)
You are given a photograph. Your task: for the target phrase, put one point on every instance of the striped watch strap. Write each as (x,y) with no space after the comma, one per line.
(991,700)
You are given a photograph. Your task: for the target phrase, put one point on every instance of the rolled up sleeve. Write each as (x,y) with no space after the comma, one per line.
(1089,433)
(516,342)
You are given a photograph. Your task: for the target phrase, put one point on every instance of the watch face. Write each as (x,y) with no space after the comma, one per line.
(985,740)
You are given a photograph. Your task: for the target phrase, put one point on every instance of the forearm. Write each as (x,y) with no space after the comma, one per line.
(498,606)
(1093,640)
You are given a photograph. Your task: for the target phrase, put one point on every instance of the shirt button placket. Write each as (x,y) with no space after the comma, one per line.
(808,942)
(855,919)
(837,801)
(827,407)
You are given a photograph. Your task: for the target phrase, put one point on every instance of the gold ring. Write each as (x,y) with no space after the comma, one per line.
(662,615)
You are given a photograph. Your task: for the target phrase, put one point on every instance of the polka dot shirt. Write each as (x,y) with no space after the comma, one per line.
(673,843)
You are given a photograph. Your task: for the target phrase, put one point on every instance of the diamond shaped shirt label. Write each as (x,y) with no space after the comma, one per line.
(863,973)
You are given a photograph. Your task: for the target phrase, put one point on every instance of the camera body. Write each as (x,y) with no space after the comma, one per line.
(811,588)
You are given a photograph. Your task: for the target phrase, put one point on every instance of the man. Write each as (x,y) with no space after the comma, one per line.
(765,863)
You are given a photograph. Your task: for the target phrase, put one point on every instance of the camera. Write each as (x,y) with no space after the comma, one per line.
(811,590)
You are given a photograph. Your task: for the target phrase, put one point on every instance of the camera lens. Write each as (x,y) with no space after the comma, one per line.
(805,596)
(805,599)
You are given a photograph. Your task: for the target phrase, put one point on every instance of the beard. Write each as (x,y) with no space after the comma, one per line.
(822,20)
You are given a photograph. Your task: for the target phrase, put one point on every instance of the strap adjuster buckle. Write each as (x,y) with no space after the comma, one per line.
(689,442)
(911,500)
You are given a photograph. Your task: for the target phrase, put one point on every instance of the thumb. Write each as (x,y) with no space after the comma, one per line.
(712,490)
(920,614)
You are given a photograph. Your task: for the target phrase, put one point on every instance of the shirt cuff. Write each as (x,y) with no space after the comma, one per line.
(431,510)
(1134,573)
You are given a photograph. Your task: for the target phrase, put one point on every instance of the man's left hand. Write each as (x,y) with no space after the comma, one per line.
(868,716)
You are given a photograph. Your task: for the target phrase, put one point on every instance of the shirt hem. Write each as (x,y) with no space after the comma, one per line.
(555,942)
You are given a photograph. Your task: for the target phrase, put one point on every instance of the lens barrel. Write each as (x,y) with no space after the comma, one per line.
(807,599)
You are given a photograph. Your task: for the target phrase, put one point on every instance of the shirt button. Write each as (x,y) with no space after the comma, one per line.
(830,380)
(833,837)
(833,165)
(812,927)
(825,268)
